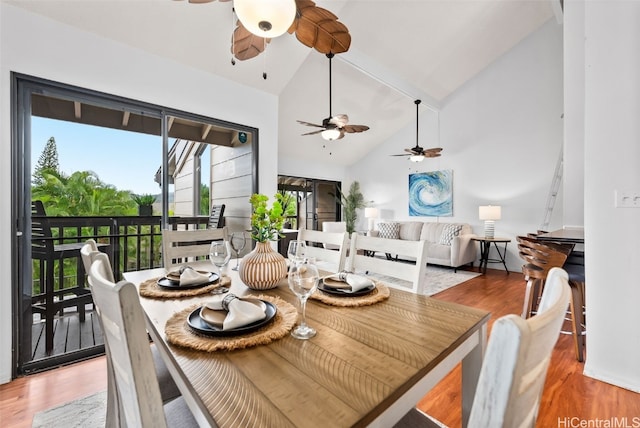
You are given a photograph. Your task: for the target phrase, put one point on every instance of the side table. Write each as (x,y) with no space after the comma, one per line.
(485,246)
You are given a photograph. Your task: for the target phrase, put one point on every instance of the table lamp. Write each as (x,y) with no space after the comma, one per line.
(489,213)
(371,213)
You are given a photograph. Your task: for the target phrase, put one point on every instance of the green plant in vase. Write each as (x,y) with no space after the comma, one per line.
(263,267)
(145,204)
(267,222)
(350,204)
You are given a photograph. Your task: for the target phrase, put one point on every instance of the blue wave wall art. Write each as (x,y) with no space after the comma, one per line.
(431,194)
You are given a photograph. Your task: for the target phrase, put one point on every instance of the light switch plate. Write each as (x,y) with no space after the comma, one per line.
(627,199)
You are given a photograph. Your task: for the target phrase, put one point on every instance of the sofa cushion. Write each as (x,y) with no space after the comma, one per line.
(449,232)
(389,230)
(410,230)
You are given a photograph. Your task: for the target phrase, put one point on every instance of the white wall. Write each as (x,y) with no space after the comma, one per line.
(34,45)
(501,133)
(573,178)
(612,131)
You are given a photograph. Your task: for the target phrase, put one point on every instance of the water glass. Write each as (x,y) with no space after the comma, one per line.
(238,241)
(220,254)
(303,280)
(297,250)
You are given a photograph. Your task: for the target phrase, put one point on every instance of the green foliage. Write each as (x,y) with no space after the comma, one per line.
(144,199)
(81,194)
(266,223)
(204,199)
(47,162)
(350,204)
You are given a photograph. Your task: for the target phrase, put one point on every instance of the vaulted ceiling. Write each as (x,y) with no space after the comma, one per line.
(401,50)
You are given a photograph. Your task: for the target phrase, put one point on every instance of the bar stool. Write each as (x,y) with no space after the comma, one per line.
(576,282)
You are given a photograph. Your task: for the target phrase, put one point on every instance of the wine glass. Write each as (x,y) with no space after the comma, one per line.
(219,254)
(297,250)
(303,279)
(238,242)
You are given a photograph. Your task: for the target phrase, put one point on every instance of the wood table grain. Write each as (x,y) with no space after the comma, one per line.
(367,366)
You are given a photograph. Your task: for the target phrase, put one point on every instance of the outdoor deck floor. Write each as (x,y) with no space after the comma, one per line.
(69,333)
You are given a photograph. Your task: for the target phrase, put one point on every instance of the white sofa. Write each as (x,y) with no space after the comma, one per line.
(448,244)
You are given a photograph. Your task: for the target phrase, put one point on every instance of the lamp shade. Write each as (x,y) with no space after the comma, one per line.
(371,212)
(489,212)
(266,18)
(416,158)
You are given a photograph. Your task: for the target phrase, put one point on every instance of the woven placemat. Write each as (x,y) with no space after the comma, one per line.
(179,333)
(150,288)
(380,293)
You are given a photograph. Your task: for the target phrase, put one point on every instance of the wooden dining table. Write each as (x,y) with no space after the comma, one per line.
(367,365)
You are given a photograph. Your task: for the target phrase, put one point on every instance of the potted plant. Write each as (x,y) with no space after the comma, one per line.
(350,204)
(145,204)
(263,267)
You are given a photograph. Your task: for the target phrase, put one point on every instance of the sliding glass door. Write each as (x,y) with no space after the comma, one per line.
(94,163)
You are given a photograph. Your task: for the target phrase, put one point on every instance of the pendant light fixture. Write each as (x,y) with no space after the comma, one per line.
(266,18)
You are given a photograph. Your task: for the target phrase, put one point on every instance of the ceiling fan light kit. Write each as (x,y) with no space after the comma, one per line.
(330,134)
(266,18)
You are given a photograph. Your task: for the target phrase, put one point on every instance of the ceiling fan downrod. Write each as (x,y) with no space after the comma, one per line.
(330,56)
(417,102)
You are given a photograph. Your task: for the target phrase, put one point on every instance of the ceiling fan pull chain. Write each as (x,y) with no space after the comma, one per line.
(233,36)
(264,73)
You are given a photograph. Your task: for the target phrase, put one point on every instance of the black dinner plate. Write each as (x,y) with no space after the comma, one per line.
(341,293)
(175,285)
(201,326)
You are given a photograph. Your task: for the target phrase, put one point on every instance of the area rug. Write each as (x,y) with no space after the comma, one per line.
(87,412)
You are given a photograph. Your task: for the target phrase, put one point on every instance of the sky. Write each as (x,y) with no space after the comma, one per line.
(126,160)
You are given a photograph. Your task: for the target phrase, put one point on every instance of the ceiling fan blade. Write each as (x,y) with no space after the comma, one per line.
(404,154)
(318,28)
(433,150)
(246,45)
(310,124)
(431,155)
(354,128)
(314,132)
(339,120)
(414,151)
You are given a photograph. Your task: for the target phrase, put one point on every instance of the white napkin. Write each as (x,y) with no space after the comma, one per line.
(191,276)
(240,312)
(348,282)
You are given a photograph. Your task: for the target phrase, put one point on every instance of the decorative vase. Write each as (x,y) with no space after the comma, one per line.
(262,268)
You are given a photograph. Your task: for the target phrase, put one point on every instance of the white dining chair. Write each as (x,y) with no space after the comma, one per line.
(515,364)
(168,388)
(328,258)
(139,401)
(183,246)
(414,275)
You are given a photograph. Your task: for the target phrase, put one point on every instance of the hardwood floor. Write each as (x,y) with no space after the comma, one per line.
(568,394)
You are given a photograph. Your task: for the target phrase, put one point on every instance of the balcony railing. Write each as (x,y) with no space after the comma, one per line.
(134,243)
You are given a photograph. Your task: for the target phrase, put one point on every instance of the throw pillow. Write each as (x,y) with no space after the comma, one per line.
(449,232)
(389,230)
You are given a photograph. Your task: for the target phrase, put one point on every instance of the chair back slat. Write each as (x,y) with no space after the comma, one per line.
(216,218)
(415,274)
(336,258)
(183,246)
